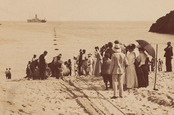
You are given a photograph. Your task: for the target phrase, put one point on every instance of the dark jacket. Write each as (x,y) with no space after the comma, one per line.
(168,51)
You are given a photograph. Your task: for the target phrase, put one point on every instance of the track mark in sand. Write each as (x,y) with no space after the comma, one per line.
(83,99)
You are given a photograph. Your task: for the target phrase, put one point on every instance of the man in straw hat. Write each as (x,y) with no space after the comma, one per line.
(117,69)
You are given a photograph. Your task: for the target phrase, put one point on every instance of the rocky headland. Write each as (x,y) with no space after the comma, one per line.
(164,24)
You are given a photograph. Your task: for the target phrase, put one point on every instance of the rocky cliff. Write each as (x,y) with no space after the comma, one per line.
(164,24)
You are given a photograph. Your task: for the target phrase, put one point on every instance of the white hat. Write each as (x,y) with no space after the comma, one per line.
(117,48)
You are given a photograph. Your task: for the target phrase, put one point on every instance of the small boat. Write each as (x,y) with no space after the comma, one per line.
(36,19)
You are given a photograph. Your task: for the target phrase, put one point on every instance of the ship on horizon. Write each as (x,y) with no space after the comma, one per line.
(36,19)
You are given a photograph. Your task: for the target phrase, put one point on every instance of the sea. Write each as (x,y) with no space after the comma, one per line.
(20,40)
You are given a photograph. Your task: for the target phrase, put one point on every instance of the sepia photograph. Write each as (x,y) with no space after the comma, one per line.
(86,57)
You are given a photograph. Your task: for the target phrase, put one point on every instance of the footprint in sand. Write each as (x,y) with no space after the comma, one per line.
(43,109)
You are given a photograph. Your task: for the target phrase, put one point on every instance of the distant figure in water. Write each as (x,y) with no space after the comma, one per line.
(42,65)
(8,73)
(168,55)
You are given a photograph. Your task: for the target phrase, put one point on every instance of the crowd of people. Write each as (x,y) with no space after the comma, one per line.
(37,68)
(117,63)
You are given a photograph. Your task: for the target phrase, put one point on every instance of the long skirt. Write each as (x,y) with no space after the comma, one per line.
(142,74)
(131,77)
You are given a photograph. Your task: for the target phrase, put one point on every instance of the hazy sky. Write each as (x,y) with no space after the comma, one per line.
(85,9)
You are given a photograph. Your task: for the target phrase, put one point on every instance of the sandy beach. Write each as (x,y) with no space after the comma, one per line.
(20,40)
(78,96)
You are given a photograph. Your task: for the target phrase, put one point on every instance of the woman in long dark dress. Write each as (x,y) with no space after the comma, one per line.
(142,68)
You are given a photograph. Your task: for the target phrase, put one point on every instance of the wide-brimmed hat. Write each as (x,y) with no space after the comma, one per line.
(117,48)
(90,54)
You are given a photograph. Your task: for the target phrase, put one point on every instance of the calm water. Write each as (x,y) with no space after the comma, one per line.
(20,40)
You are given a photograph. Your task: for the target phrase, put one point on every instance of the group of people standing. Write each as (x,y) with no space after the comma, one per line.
(116,64)
(88,64)
(121,66)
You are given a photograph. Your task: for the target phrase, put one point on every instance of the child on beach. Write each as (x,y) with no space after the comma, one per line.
(8,73)
(160,65)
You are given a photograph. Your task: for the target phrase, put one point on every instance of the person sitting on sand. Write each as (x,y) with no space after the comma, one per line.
(42,65)
(58,67)
(105,70)
(34,63)
(54,65)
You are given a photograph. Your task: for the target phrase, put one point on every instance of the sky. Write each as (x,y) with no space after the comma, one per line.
(85,10)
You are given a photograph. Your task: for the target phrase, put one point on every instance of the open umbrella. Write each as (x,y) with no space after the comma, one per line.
(144,44)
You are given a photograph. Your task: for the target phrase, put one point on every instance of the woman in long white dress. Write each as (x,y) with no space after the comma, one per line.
(131,76)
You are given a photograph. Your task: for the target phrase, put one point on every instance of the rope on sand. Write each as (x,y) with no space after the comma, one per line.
(80,78)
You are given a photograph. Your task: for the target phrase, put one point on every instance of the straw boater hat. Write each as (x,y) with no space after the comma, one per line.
(90,54)
(117,48)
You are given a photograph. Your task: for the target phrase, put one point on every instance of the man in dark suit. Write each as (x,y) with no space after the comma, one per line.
(42,65)
(168,55)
